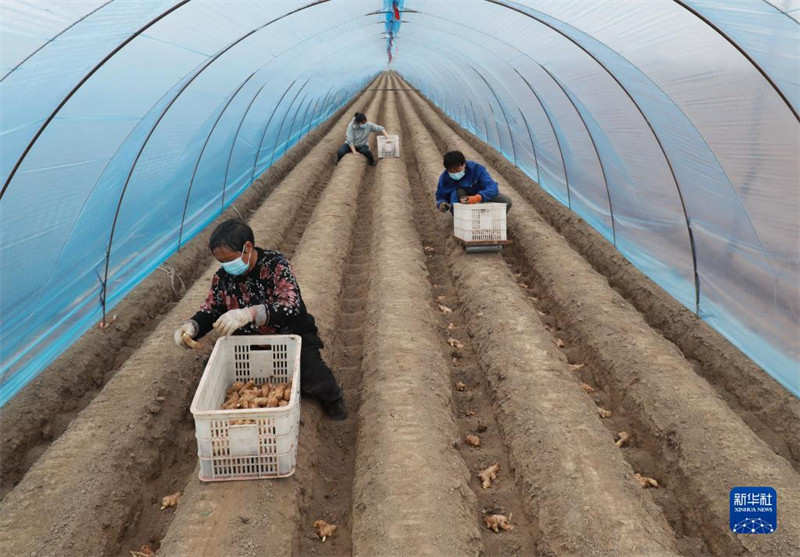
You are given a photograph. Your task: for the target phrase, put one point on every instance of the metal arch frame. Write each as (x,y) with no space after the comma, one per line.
(555,135)
(316,105)
(294,117)
(201,69)
(252,101)
(474,116)
(550,121)
(533,145)
(457,76)
(266,127)
(85,78)
(776,8)
(496,128)
(742,51)
(611,74)
(225,108)
(277,136)
(505,116)
(239,127)
(203,149)
(656,86)
(305,114)
(558,142)
(591,138)
(53,38)
(83,206)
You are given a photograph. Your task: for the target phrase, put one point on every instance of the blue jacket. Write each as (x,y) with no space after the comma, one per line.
(476,179)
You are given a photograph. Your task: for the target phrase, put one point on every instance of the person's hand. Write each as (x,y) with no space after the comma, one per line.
(353,149)
(233,320)
(188,328)
(444,206)
(471,199)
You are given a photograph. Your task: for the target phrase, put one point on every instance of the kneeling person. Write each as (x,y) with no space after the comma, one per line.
(256,293)
(466,182)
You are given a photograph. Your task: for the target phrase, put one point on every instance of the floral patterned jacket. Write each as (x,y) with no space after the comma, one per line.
(271,283)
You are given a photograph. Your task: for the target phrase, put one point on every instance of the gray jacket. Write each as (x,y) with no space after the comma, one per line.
(359,136)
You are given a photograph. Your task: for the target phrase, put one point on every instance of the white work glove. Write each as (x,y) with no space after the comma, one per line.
(235,319)
(188,327)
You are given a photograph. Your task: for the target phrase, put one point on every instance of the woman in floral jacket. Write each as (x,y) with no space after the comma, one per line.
(256,293)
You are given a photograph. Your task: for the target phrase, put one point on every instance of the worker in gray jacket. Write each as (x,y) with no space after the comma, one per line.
(357,137)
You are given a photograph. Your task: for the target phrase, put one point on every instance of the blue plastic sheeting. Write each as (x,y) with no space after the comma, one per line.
(162,137)
(695,149)
(671,127)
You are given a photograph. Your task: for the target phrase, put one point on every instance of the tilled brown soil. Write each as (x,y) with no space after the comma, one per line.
(41,412)
(522,349)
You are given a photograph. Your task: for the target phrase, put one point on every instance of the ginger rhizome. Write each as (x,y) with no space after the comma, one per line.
(644,481)
(170,500)
(473,440)
(497,522)
(245,396)
(324,530)
(488,475)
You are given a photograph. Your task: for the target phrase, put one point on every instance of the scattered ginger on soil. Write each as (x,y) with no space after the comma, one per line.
(445,309)
(622,438)
(472,440)
(559,343)
(324,530)
(588,388)
(496,522)
(488,475)
(469,413)
(644,481)
(604,413)
(455,343)
(171,500)
(146,551)
(461,386)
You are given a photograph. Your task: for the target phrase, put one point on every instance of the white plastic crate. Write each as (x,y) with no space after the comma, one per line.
(481,222)
(388,146)
(267,446)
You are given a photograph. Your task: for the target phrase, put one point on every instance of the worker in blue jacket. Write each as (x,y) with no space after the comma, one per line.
(466,182)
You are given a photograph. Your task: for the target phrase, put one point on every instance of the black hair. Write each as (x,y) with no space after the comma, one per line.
(360,118)
(231,234)
(453,159)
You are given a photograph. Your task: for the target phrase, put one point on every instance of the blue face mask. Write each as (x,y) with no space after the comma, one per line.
(237,266)
(456,175)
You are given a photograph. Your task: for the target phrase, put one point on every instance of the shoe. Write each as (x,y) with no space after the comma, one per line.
(336,410)
(373,163)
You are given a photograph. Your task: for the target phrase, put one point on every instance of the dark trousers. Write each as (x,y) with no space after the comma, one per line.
(363,149)
(499,198)
(316,378)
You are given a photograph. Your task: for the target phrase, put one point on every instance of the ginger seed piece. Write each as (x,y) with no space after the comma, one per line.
(171,500)
(472,440)
(622,438)
(461,386)
(588,388)
(496,522)
(644,481)
(324,530)
(488,475)
(604,413)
